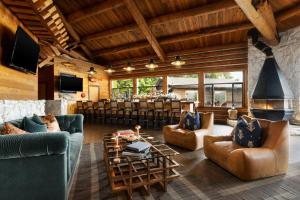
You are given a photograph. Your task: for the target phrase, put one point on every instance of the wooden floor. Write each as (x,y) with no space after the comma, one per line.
(94,131)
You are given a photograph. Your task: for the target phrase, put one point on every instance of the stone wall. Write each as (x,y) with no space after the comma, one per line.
(11,109)
(287,54)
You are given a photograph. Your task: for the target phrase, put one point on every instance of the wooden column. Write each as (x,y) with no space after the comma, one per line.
(165,85)
(135,86)
(201,89)
(245,90)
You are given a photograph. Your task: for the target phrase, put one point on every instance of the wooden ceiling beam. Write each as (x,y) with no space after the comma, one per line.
(94,10)
(142,24)
(199,11)
(288,13)
(262,18)
(176,38)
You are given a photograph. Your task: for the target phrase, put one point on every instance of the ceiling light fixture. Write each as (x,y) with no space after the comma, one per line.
(109,69)
(178,62)
(92,71)
(151,65)
(129,68)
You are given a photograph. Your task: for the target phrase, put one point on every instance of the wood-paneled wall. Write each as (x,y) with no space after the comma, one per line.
(80,68)
(13,84)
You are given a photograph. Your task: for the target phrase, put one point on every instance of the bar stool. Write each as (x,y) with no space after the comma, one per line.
(101,110)
(129,112)
(175,110)
(159,112)
(114,111)
(79,107)
(89,109)
(144,112)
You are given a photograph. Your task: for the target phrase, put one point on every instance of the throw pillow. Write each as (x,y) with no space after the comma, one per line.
(32,127)
(247,134)
(192,121)
(51,122)
(37,119)
(9,128)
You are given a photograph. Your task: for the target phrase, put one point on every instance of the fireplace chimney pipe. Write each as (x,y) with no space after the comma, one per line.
(259,44)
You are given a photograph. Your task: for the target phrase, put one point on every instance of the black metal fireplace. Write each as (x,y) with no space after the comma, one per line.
(272,97)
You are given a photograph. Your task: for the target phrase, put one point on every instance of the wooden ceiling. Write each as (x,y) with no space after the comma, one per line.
(114,31)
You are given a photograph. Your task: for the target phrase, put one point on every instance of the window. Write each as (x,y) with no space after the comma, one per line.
(122,88)
(183,87)
(150,86)
(223,89)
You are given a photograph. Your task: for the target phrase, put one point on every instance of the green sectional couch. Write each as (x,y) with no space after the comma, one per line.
(40,165)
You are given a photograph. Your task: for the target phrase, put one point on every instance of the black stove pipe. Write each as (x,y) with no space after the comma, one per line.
(259,44)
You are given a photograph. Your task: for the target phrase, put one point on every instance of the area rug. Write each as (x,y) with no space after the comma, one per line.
(199,180)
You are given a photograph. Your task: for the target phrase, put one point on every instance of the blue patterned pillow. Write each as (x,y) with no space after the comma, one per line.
(192,122)
(248,134)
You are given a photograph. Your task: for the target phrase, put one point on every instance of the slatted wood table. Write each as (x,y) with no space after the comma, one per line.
(132,173)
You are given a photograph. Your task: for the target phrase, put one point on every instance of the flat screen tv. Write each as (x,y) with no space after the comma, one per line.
(70,83)
(25,52)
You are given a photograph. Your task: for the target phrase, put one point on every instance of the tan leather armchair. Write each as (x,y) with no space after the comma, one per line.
(193,140)
(252,163)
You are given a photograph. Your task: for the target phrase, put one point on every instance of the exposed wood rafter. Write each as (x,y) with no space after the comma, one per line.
(199,11)
(142,24)
(94,10)
(262,18)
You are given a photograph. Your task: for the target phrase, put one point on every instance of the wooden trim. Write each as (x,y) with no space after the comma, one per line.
(174,39)
(288,13)
(262,18)
(135,86)
(201,88)
(143,26)
(165,84)
(94,10)
(199,11)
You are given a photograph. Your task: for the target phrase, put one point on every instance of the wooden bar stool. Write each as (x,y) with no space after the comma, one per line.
(114,111)
(129,111)
(101,114)
(144,113)
(175,110)
(79,107)
(159,113)
(89,110)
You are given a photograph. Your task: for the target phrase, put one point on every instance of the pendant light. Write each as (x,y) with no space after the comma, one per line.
(92,71)
(151,65)
(178,62)
(129,68)
(109,69)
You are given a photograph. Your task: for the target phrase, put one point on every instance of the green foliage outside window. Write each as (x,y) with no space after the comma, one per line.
(149,85)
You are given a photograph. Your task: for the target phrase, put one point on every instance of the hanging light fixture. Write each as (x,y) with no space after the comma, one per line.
(109,69)
(92,71)
(151,65)
(178,62)
(129,68)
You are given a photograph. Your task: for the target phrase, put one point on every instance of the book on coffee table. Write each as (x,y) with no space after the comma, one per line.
(138,146)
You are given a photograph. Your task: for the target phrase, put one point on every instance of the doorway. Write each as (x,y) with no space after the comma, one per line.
(94,93)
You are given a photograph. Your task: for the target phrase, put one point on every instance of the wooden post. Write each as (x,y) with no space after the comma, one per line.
(135,86)
(201,89)
(165,84)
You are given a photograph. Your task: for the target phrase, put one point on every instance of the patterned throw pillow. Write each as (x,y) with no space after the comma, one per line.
(247,134)
(51,122)
(8,128)
(192,121)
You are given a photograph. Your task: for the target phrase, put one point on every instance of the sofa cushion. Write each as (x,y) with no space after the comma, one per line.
(75,143)
(32,127)
(37,119)
(9,128)
(248,134)
(192,121)
(220,151)
(51,122)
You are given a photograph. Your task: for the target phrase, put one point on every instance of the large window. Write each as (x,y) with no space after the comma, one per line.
(122,88)
(223,89)
(183,87)
(149,86)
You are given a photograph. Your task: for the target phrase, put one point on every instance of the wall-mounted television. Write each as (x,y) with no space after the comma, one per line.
(70,84)
(25,52)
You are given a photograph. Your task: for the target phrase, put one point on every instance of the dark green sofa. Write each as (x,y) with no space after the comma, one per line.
(40,165)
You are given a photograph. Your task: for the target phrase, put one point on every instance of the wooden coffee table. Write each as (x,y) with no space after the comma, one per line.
(132,173)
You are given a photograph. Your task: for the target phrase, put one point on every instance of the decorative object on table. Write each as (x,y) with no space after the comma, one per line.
(117,159)
(137,127)
(247,134)
(117,146)
(232,112)
(138,146)
(128,135)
